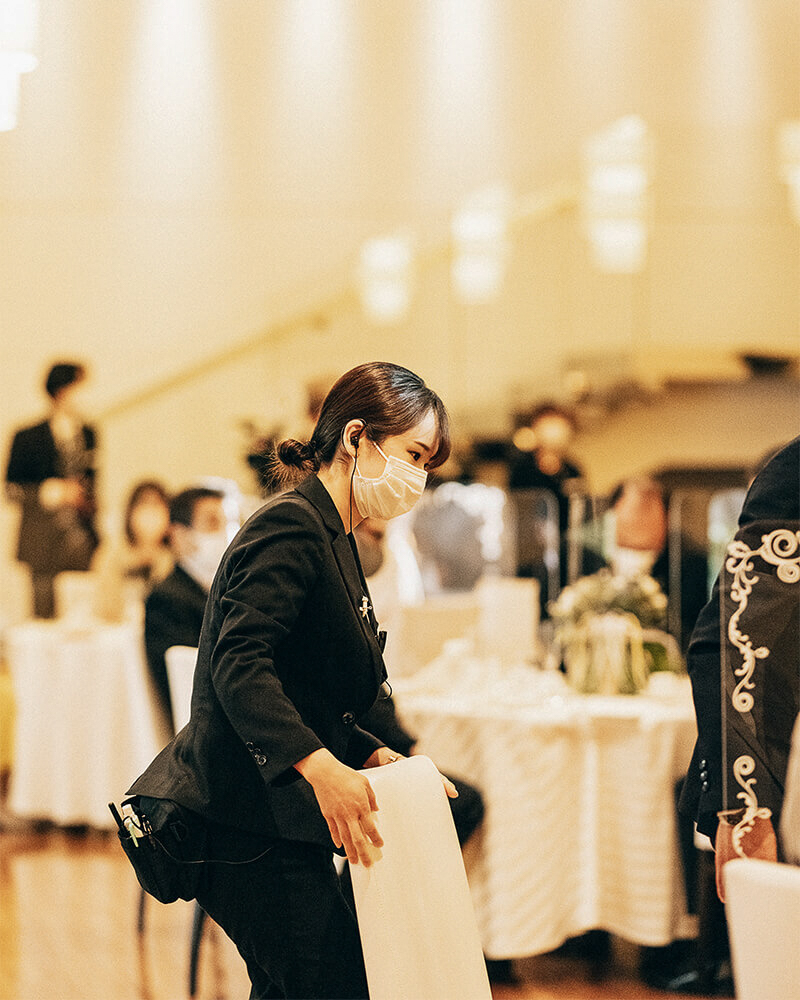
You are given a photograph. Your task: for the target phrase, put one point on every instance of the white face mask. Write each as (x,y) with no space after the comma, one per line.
(202,563)
(393,493)
(633,562)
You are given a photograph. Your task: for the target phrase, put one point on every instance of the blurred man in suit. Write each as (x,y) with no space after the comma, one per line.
(51,474)
(174,608)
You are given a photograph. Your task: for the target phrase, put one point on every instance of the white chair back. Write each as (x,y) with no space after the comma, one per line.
(423,629)
(180,674)
(76,596)
(763,910)
(415,915)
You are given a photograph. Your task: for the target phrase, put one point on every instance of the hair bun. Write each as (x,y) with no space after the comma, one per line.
(294,455)
(293,452)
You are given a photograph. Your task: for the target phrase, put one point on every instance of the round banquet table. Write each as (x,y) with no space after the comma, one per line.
(580,829)
(87,722)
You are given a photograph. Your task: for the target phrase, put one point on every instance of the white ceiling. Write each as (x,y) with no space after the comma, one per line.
(186,171)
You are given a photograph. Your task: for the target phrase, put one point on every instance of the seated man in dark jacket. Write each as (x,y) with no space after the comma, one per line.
(174,608)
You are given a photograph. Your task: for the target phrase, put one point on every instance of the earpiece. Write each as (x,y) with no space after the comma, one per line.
(356,436)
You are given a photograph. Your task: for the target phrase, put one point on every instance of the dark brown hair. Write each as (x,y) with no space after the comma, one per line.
(182,505)
(138,491)
(389,399)
(61,375)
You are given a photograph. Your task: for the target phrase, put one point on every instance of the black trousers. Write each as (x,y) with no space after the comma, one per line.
(289,919)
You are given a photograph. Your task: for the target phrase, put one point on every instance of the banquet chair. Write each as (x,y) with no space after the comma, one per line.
(417,884)
(180,662)
(76,595)
(763,904)
(425,628)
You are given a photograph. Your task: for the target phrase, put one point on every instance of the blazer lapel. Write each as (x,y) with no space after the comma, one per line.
(313,490)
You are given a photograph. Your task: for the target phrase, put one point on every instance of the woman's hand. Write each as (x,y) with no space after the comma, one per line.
(758,842)
(383,755)
(347,802)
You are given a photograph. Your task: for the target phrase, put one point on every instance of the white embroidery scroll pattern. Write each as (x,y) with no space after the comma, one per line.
(740,564)
(742,768)
(780,548)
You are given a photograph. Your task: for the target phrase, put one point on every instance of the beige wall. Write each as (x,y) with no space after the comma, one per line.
(168,220)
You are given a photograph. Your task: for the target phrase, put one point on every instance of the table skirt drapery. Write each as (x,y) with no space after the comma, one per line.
(87,722)
(580,826)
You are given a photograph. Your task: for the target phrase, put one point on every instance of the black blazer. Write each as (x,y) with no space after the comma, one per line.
(773,497)
(173,616)
(287,663)
(50,541)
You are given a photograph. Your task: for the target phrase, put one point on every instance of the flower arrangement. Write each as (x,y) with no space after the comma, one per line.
(599,621)
(603,591)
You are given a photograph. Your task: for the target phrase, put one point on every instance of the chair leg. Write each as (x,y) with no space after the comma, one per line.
(194,953)
(140,914)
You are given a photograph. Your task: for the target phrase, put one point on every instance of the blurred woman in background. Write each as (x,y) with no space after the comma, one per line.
(130,566)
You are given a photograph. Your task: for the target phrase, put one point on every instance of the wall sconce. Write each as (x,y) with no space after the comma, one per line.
(384,278)
(480,244)
(617,165)
(789,153)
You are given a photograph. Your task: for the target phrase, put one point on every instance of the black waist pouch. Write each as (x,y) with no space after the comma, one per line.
(164,843)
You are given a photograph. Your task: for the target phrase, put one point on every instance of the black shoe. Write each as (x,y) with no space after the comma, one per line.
(683,975)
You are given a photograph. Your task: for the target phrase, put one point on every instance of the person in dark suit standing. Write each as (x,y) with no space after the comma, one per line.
(51,474)
(289,660)
(539,458)
(773,501)
(174,608)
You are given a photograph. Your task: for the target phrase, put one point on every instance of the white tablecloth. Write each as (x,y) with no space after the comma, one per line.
(86,724)
(580,826)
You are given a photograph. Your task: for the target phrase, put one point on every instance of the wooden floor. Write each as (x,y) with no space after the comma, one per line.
(68,932)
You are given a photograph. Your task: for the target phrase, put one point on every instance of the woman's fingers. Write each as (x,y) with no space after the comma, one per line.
(373,802)
(334,831)
(449,787)
(371,830)
(360,844)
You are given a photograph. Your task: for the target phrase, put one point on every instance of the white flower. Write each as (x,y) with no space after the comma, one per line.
(649,586)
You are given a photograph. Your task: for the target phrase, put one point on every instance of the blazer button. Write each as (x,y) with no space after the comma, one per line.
(257,754)
(703,765)
(348,718)
(704,786)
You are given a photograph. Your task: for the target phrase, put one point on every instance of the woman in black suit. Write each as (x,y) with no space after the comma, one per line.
(289,659)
